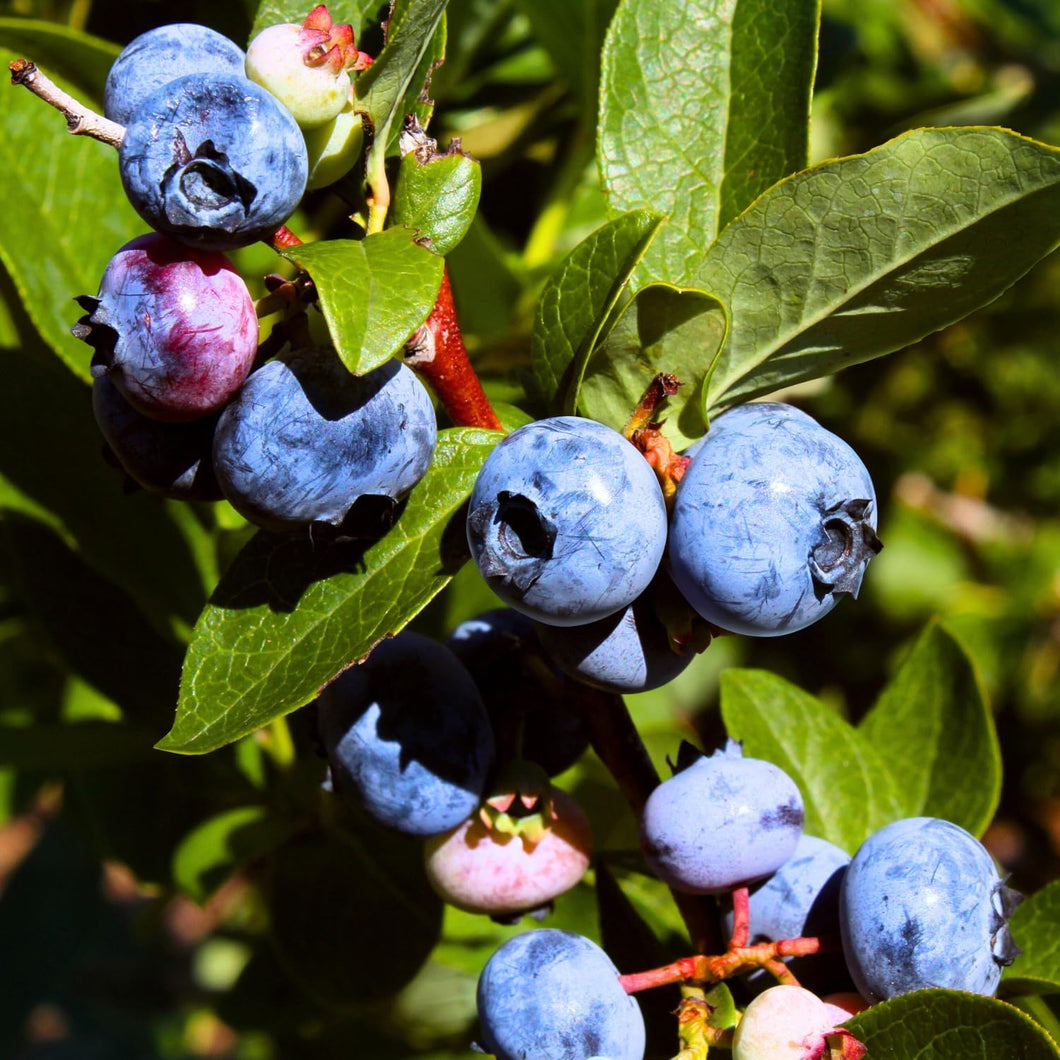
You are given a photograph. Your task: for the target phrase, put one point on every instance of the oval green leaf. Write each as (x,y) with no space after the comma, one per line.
(949,1025)
(1036,930)
(858,257)
(289,614)
(577,300)
(703,105)
(373,292)
(663,329)
(437,199)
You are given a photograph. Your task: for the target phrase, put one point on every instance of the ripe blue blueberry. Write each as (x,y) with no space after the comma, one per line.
(161,55)
(922,905)
(303,440)
(720,822)
(555,994)
(532,706)
(773,522)
(626,652)
(214,161)
(173,327)
(407,737)
(801,900)
(172,459)
(567,521)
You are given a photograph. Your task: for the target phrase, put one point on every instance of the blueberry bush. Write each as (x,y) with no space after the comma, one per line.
(252,578)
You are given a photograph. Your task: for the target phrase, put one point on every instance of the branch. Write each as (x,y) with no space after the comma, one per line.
(80,120)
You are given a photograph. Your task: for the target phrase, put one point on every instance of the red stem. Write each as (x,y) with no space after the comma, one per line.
(438,353)
(741,918)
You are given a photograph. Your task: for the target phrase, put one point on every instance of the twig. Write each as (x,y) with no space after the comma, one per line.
(80,120)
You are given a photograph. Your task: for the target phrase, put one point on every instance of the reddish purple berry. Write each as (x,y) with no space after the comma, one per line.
(173,328)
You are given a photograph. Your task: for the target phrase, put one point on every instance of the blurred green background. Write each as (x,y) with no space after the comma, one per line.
(105,955)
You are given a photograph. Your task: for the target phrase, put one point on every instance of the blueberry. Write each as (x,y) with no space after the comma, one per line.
(162,55)
(172,327)
(172,459)
(555,994)
(773,522)
(801,900)
(532,706)
(628,651)
(567,521)
(214,161)
(922,905)
(407,737)
(304,439)
(783,1023)
(720,822)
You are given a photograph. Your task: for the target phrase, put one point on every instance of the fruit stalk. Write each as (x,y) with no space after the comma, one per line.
(438,354)
(80,120)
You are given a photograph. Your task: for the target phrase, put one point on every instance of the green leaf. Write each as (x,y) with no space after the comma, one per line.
(1036,930)
(846,786)
(933,726)
(577,300)
(703,105)
(663,329)
(437,199)
(389,88)
(352,915)
(949,1025)
(207,857)
(65,213)
(860,256)
(351,12)
(374,292)
(289,614)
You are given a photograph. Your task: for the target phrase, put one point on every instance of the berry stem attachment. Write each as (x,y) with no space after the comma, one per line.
(80,120)
(694,1030)
(642,429)
(704,969)
(741,918)
(437,352)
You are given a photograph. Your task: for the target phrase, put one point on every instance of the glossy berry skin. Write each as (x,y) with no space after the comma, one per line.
(773,522)
(172,327)
(801,900)
(407,737)
(721,822)
(567,521)
(922,905)
(625,652)
(484,870)
(783,1023)
(304,439)
(161,55)
(555,994)
(172,459)
(532,706)
(213,161)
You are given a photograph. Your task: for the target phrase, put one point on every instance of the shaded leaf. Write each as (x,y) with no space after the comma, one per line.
(352,915)
(437,199)
(208,855)
(289,614)
(663,329)
(949,1025)
(933,726)
(60,748)
(1036,930)
(577,300)
(374,292)
(703,105)
(65,213)
(846,786)
(861,256)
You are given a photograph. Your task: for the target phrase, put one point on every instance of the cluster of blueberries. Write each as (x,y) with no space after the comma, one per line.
(772,523)
(219,147)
